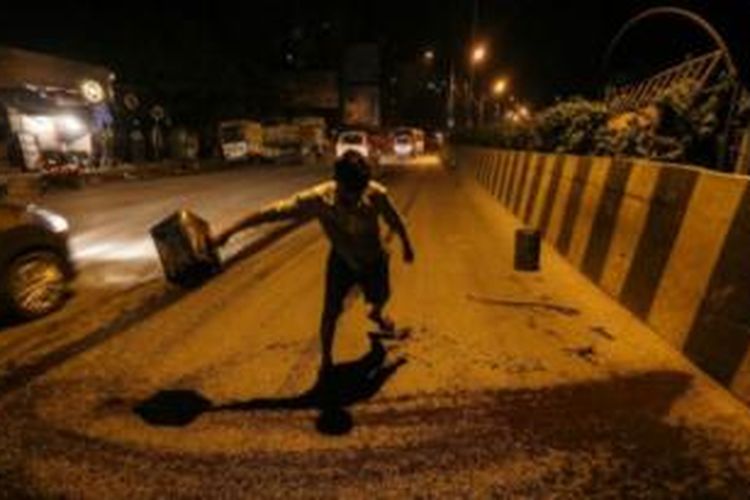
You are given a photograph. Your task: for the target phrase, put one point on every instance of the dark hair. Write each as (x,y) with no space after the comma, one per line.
(352,171)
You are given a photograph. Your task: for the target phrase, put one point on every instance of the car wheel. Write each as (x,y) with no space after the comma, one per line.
(35,284)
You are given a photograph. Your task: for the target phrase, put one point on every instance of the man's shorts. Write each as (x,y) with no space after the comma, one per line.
(373,280)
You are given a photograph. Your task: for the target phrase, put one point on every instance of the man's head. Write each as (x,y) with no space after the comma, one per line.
(352,173)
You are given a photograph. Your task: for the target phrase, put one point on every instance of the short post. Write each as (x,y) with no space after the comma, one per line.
(528,249)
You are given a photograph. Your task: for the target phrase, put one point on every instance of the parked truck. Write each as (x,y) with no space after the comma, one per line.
(281,140)
(312,132)
(246,139)
(241,140)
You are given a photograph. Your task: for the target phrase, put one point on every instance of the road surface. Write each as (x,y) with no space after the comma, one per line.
(508,384)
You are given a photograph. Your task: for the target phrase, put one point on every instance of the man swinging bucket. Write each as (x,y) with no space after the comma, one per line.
(349,209)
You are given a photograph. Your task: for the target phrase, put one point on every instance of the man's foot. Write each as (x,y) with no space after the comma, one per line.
(385,323)
(397,334)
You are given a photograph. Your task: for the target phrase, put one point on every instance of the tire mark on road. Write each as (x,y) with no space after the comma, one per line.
(25,374)
(564,310)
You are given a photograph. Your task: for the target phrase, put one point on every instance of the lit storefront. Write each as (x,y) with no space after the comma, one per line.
(55,112)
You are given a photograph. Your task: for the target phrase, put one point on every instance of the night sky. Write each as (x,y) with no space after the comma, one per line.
(549,48)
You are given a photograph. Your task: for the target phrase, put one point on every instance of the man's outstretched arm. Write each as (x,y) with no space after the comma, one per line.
(299,207)
(396,222)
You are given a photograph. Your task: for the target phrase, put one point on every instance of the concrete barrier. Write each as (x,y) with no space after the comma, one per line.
(669,242)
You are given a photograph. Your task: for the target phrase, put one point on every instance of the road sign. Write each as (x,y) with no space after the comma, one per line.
(92,91)
(131,101)
(158,113)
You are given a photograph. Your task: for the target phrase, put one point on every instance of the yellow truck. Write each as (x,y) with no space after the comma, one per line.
(241,140)
(312,133)
(246,139)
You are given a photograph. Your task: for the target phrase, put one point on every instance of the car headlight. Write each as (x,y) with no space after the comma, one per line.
(54,222)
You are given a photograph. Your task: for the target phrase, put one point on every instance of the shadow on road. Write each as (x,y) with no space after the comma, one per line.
(345,385)
(617,437)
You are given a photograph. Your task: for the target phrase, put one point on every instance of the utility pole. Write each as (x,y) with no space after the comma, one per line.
(451,104)
(472,107)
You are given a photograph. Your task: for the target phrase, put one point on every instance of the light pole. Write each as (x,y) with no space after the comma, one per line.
(499,87)
(428,57)
(450,113)
(478,55)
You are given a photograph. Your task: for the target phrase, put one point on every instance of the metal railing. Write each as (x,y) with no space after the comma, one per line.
(697,70)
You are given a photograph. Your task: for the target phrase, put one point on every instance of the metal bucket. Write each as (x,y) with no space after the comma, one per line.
(183,241)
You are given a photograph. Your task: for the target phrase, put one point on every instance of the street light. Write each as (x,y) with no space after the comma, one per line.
(478,54)
(499,87)
(429,55)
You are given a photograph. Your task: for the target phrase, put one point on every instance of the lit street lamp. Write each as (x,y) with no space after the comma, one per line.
(478,54)
(499,87)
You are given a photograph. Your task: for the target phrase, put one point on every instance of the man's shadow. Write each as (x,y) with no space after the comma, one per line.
(333,392)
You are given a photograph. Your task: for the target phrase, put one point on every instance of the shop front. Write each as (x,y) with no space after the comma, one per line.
(55,113)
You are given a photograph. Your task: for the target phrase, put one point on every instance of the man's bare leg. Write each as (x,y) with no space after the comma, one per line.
(385,323)
(327,332)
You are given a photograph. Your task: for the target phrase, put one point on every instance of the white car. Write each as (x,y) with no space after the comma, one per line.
(35,265)
(353,141)
(403,146)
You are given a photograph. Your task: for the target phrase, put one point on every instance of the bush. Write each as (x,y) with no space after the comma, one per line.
(570,126)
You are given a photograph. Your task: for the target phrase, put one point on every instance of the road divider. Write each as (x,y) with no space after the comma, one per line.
(669,242)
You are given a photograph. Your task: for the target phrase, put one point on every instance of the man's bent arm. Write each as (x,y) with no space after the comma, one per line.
(396,222)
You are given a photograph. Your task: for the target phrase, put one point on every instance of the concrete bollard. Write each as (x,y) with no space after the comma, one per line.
(527,250)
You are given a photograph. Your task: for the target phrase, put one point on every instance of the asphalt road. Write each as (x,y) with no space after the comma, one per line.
(110,223)
(508,384)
